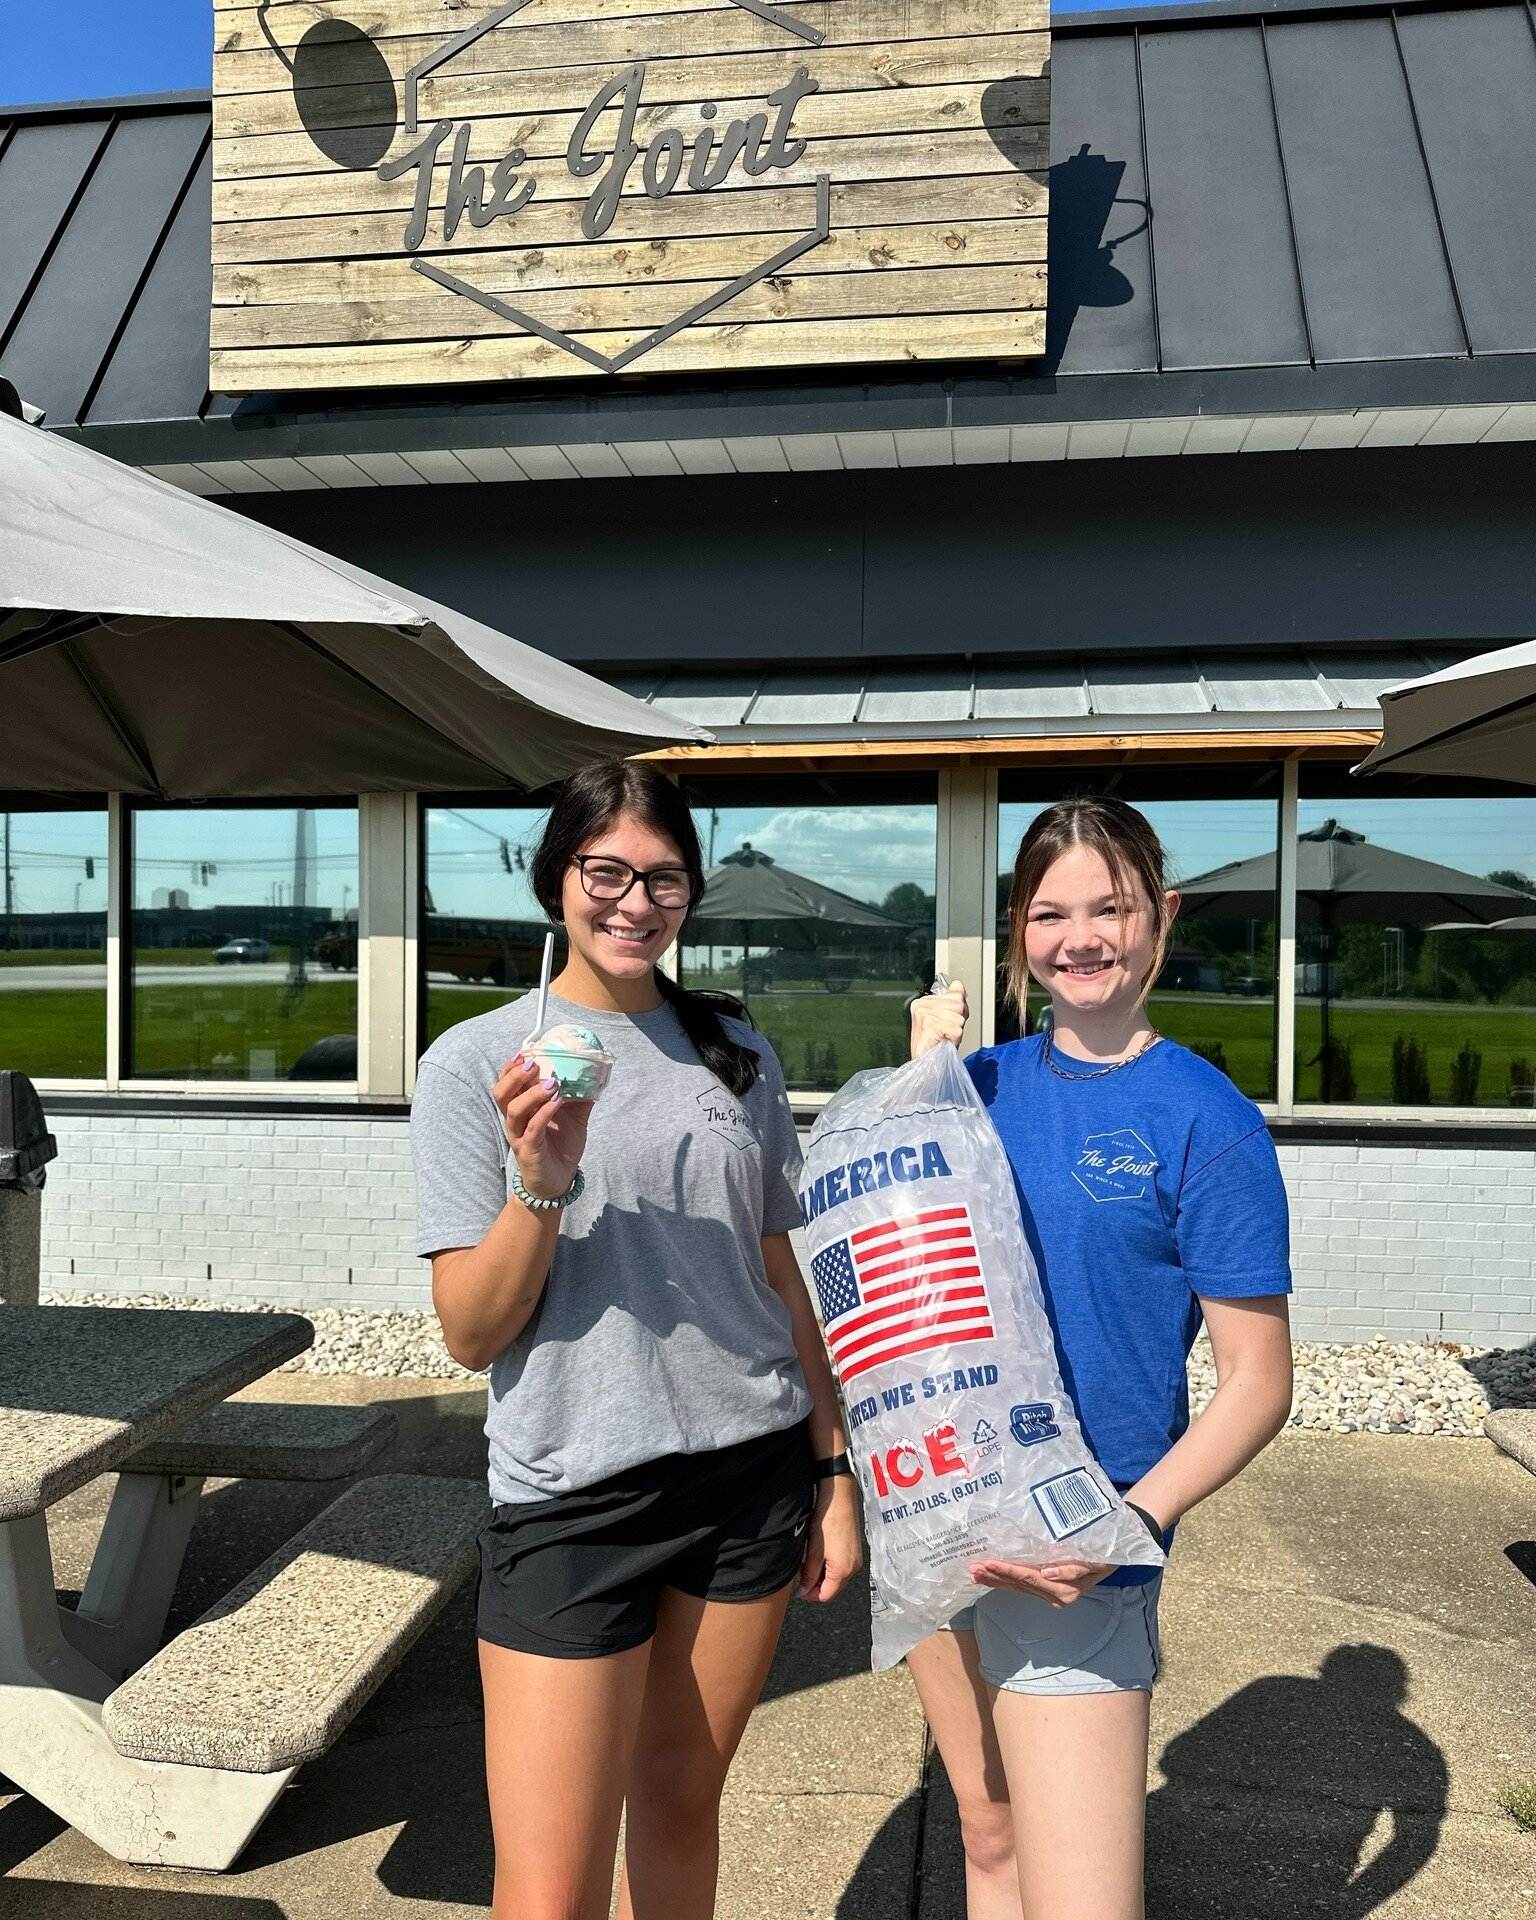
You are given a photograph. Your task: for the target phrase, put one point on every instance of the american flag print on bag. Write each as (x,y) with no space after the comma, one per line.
(901,1287)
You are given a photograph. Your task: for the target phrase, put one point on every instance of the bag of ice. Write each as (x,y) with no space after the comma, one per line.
(966,1443)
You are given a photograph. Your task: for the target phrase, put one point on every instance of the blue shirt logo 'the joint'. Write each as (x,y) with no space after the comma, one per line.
(1115,1166)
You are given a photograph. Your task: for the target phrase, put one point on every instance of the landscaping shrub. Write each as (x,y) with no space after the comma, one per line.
(1410,1073)
(1466,1071)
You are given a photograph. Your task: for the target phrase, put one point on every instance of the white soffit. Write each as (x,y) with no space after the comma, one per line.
(914,447)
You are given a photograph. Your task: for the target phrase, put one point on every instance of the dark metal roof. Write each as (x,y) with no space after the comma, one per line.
(1299,209)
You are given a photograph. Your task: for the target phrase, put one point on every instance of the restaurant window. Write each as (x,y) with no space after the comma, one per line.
(819,914)
(1216,991)
(1415,945)
(482,931)
(243,942)
(53,944)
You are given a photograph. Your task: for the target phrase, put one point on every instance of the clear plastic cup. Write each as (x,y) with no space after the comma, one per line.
(574,1058)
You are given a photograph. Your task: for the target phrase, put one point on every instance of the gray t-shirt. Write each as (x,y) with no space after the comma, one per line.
(658,1332)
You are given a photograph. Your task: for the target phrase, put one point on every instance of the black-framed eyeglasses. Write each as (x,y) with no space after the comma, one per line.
(603,878)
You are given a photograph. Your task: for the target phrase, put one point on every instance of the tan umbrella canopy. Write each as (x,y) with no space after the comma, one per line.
(154,643)
(1477,718)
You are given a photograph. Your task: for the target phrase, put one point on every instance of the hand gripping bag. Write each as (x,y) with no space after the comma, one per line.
(966,1443)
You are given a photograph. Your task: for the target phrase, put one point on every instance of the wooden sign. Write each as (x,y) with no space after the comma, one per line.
(420,191)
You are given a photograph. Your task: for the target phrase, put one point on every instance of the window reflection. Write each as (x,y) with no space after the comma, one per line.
(819,914)
(1216,992)
(1416,951)
(244,943)
(53,944)
(482,931)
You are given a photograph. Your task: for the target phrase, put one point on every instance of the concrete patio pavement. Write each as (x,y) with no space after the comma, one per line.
(1350,1686)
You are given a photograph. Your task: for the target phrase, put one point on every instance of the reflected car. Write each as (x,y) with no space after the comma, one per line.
(235,953)
(1251,986)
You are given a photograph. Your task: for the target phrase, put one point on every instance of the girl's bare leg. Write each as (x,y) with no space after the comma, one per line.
(1077,1775)
(955,1699)
(558,1739)
(708,1664)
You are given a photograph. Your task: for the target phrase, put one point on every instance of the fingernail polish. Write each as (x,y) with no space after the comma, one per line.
(550,1084)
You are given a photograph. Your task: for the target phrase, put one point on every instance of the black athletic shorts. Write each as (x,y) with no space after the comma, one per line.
(578,1575)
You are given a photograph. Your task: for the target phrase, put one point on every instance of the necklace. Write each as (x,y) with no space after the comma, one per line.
(1100,1073)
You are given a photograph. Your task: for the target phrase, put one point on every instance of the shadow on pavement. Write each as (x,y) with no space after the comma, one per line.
(821,1644)
(1270,1800)
(26,1827)
(884,1883)
(43,1901)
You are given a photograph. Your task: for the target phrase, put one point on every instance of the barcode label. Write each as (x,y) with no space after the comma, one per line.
(1070,1502)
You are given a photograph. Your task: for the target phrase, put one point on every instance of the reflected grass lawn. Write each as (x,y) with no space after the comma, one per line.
(179,1033)
(821,1038)
(1501,1034)
(59,1036)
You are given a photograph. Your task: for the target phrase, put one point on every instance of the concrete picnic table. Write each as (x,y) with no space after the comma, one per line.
(173,1756)
(81,1389)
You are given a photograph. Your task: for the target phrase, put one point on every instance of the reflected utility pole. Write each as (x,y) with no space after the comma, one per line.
(303,857)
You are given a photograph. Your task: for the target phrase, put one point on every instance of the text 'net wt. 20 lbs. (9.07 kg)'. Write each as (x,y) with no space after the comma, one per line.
(966,1443)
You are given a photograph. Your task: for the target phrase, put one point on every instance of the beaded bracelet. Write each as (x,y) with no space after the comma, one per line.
(538,1205)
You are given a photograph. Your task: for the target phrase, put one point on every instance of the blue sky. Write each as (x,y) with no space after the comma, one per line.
(92,49)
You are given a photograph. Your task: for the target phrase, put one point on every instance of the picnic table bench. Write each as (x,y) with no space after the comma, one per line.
(173,1758)
(1513,1431)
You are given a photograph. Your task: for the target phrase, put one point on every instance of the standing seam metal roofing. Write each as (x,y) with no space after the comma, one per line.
(1304,187)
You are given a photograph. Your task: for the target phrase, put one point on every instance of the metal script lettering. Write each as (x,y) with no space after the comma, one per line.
(759,142)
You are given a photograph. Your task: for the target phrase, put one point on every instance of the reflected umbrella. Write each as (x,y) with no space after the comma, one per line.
(750,900)
(1348,880)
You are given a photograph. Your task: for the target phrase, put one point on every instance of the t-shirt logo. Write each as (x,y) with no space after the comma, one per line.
(1115,1166)
(725,1116)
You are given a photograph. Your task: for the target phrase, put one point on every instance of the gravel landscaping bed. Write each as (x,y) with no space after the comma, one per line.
(1373,1387)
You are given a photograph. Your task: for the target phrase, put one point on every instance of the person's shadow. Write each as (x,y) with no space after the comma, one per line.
(1270,1803)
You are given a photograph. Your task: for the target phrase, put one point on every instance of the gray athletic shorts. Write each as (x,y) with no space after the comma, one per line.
(1104,1642)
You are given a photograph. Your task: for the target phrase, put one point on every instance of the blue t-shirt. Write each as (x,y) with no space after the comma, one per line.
(1141,1190)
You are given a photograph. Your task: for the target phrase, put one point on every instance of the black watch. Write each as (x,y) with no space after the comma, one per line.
(833,1468)
(1147,1521)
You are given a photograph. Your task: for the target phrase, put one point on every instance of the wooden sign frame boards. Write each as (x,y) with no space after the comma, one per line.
(428,191)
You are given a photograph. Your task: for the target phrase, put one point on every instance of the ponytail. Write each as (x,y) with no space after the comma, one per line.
(587,802)
(736,1067)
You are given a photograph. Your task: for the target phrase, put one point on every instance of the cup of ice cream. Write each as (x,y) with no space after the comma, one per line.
(574,1058)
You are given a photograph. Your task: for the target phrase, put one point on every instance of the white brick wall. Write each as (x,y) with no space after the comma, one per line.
(1411,1242)
(1417,1243)
(299,1212)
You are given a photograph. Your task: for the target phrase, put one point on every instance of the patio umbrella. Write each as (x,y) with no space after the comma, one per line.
(155,643)
(1349,881)
(1477,718)
(750,900)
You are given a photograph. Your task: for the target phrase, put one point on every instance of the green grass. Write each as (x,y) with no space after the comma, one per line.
(821,1037)
(1501,1034)
(55,1035)
(52,957)
(1519,1803)
(178,1032)
(1244,1030)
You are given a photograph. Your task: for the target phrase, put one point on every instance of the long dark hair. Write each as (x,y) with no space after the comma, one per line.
(592,799)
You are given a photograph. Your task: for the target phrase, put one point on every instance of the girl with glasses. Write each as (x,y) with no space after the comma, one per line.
(1152,1199)
(666,1451)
